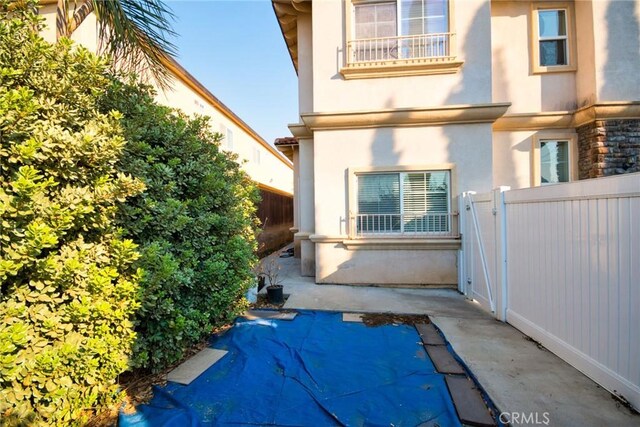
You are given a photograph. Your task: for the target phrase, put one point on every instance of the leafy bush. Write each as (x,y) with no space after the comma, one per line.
(67,287)
(195,225)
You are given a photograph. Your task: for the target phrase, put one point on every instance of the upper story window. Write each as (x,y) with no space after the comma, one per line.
(375,20)
(400,33)
(424,17)
(552,37)
(552,40)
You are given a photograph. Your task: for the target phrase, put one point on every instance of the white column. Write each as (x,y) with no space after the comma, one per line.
(306,216)
(296,200)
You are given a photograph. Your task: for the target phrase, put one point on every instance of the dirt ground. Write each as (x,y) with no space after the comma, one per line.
(381,319)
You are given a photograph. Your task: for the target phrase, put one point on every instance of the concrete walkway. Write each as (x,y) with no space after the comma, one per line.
(519,376)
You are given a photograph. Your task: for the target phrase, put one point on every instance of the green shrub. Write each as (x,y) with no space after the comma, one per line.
(67,287)
(195,225)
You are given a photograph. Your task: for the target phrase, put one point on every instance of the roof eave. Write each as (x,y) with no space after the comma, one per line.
(287,12)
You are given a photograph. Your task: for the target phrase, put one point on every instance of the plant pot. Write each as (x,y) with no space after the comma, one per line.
(275,294)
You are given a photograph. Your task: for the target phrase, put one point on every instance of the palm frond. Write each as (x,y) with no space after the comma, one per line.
(137,34)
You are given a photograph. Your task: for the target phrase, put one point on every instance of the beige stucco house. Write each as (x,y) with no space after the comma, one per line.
(404,104)
(261,161)
(264,164)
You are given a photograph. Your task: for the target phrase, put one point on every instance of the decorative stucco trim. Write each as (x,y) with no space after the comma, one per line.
(606,111)
(534,121)
(568,119)
(321,238)
(400,69)
(300,130)
(402,244)
(302,235)
(453,114)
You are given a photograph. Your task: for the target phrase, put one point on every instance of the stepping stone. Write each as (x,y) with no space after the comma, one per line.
(468,401)
(196,365)
(352,317)
(267,314)
(429,334)
(443,360)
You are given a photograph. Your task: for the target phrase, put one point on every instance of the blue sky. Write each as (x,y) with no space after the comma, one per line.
(236,50)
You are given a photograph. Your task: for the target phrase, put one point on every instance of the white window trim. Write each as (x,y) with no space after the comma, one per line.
(352,190)
(572,138)
(535,39)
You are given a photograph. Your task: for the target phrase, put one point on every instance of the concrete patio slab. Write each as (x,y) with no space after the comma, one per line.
(519,377)
(305,294)
(192,368)
(524,379)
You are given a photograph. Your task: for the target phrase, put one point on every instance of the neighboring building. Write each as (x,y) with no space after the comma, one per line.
(404,104)
(263,163)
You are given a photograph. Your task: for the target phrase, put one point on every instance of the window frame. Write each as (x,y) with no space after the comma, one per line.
(536,159)
(353,174)
(395,67)
(534,37)
(229,139)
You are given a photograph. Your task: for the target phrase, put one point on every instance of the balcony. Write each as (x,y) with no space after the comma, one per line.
(423,225)
(401,55)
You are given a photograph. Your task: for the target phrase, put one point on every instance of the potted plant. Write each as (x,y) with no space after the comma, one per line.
(271,271)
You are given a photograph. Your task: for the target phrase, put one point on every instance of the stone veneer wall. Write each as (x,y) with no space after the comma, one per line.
(608,147)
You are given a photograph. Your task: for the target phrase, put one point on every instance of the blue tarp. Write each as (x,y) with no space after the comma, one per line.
(315,370)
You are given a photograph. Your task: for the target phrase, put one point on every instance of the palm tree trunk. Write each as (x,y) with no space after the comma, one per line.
(79,15)
(64,28)
(61,19)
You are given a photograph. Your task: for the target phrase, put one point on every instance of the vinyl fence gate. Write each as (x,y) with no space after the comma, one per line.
(562,264)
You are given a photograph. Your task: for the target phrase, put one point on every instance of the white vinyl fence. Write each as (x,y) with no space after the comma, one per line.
(563,265)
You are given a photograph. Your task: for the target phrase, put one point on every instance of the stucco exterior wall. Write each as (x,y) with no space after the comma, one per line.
(513,80)
(512,159)
(305,64)
(410,267)
(514,156)
(471,85)
(586,74)
(256,159)
(465,148)
(616,28)
(86,34)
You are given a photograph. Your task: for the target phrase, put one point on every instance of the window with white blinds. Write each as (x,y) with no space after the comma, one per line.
(375,20)
(424,17)
(401,18)
(404,202)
